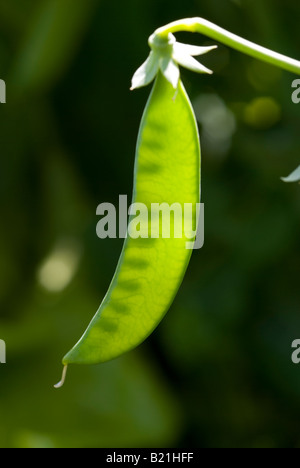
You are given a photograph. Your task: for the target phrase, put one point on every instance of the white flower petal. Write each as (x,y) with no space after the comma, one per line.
(170,70)
(147,72)
(190,63)
(294,177)
(188,49)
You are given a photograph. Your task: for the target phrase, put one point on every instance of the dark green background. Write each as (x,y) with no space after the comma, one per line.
(217,372)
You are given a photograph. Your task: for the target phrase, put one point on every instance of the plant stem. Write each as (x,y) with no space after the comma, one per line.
(209,29)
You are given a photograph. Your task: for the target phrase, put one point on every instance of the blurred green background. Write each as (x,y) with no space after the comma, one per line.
(217,372)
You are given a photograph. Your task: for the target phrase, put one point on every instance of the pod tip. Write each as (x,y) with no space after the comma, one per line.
(63,379)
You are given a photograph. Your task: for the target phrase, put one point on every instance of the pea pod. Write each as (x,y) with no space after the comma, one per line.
(150,270)
(167,170)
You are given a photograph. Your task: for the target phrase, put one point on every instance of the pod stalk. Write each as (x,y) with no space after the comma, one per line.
(202,26)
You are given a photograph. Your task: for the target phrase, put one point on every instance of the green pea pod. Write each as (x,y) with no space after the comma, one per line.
(150,270)
(167,170)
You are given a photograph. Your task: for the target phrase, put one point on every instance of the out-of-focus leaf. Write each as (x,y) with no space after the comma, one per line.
(52,40)
(122,403)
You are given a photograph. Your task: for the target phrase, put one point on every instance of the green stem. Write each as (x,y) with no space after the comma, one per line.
(209,29)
